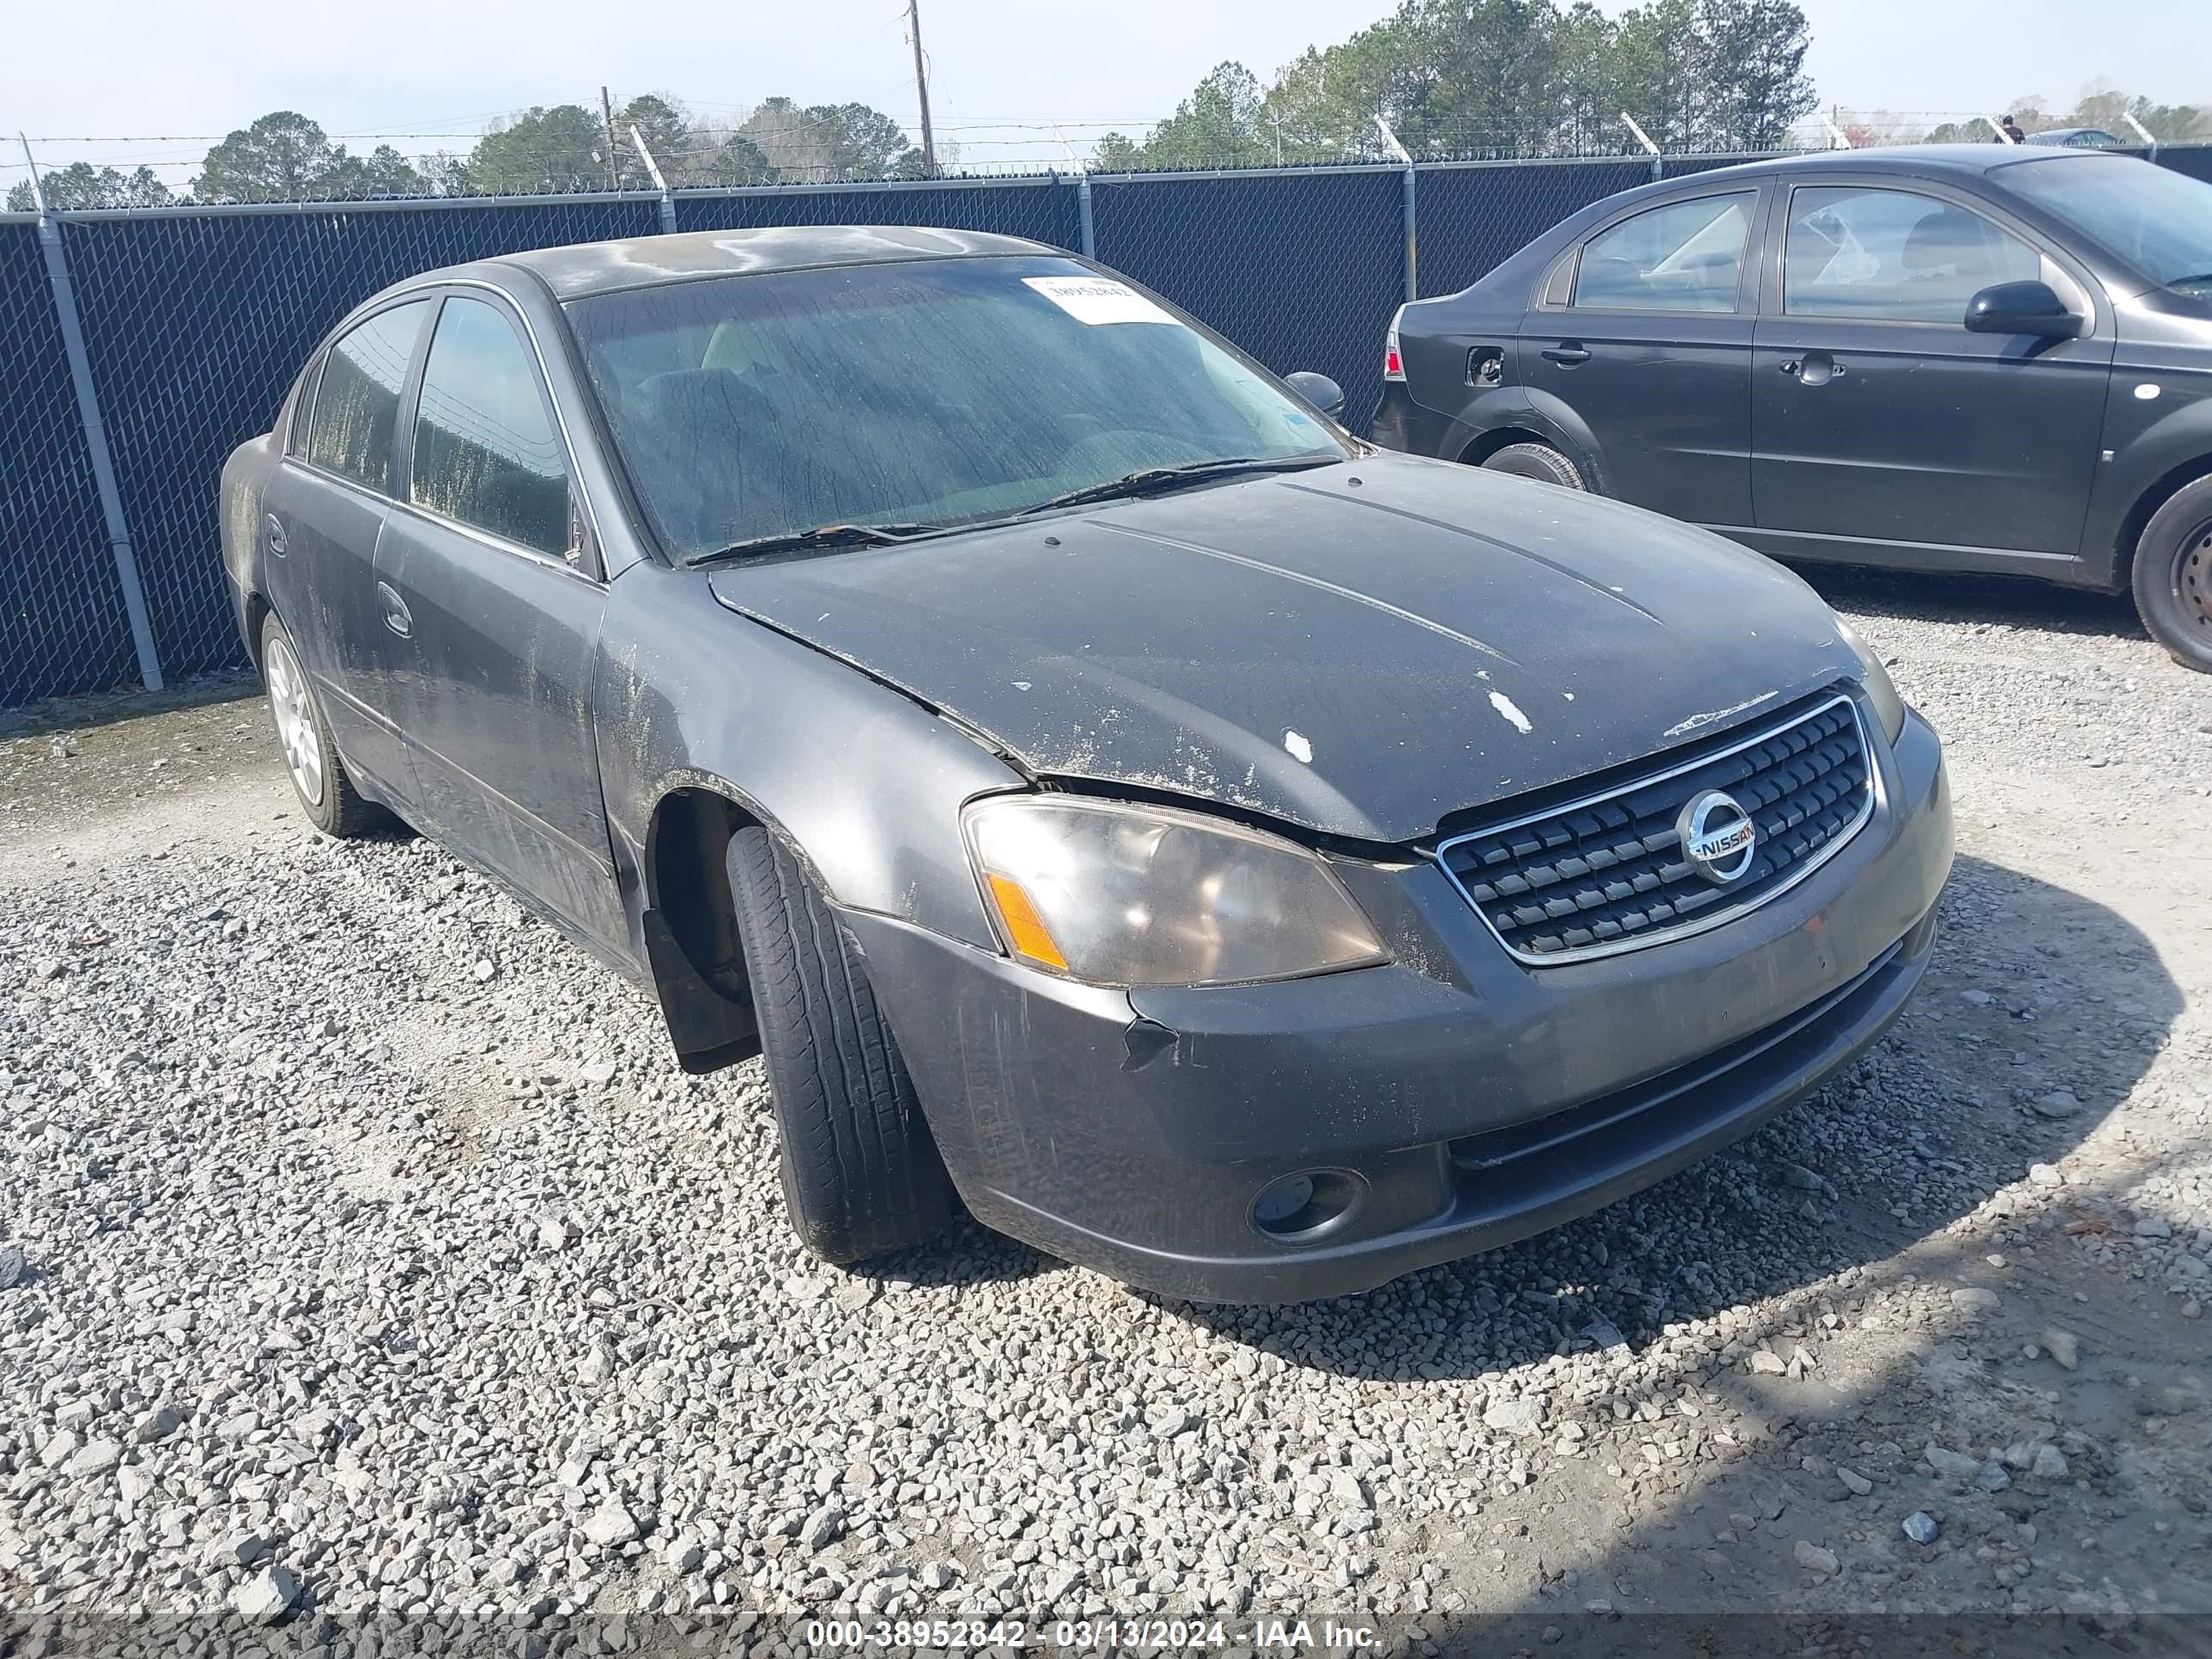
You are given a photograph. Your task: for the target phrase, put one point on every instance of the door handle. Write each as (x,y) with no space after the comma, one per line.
(1567,355)
(396,616)
(1813,368)
(273,531)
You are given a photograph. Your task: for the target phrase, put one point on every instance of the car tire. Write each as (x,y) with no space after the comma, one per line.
(1539,461)
(319,780)
(861,1174)
(2173,575)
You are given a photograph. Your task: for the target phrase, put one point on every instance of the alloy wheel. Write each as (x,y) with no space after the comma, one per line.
(295,719)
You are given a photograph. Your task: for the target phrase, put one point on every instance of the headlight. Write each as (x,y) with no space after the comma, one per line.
(1881,690)
(1120,895)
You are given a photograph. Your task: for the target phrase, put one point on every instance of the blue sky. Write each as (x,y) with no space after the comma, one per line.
(153,67)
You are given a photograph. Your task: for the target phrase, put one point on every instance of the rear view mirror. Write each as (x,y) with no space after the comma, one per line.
(1323,393)
(2021,308)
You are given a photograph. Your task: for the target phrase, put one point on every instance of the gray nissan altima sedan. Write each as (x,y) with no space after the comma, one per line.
(1109,797)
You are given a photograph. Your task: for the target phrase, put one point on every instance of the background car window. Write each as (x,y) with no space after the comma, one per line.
(1893,255)
(1686,256)
(485,450)
(358,399)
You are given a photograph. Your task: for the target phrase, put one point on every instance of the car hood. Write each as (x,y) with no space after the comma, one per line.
(1360,649)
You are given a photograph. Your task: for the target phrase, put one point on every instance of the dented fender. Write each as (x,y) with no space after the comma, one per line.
(861,781)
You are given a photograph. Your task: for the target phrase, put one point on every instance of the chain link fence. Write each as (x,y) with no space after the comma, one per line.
(196,320)
(63,626)
(1302,270)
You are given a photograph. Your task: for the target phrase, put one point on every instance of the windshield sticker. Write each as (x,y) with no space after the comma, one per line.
(1096,300)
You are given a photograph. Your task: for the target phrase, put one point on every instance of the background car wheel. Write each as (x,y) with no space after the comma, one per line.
(318,776)
(860,1174)
(2173,575)
(1539,461)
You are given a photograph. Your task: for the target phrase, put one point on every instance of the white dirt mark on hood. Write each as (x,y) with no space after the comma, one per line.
(1300,748)
(1505,706)
(1698,721)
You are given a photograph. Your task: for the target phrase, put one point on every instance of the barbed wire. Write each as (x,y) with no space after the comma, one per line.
(972,146)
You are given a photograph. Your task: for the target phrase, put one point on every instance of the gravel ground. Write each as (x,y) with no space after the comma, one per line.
(363,1253)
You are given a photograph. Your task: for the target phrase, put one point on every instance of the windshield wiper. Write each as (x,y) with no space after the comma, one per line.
(823,535)
(1153,480)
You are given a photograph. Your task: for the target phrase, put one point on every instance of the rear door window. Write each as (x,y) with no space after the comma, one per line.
(486,453)
(1684,256)
(357,400)
(1894,256)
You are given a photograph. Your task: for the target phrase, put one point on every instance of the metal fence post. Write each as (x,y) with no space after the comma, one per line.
(1088,233)
(2142,132)
(1411,217)
(667,200)
(95,434)
(1658,162)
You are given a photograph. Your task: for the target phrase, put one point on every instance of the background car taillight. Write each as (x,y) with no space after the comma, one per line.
(1393,366)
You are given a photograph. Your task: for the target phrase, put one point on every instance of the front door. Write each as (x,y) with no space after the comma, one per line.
(1645,369)
(492,609)
(1882,428)
(323,513)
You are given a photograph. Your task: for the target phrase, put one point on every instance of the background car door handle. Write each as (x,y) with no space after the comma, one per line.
(396,616)
(1815,368)
(1566,356)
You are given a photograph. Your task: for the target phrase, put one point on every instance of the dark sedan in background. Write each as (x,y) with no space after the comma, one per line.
(1978,357)
(1216,850)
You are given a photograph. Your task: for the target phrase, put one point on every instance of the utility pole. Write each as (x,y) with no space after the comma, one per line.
(607,114)
(921,90)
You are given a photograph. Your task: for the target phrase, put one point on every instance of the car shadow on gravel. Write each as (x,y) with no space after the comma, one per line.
(2036,995)
(2102,1551)
(1952,596)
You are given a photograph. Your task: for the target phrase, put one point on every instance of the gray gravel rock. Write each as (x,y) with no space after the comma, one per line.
(265,1597)
(1811,1557)
(611,1525)
(821,1526)
(1921,1526)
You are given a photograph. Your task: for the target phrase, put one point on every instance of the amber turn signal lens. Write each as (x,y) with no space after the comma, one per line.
(1025,929)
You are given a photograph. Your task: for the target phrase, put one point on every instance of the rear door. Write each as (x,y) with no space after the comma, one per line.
(1882,428)
(323,513)
(492,597)
(1637,355)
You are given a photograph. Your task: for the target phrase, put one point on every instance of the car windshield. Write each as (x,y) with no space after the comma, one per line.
(915,396)
(2157,220)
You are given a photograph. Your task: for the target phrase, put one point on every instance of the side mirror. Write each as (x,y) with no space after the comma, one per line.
(1323,393)
(2021,308)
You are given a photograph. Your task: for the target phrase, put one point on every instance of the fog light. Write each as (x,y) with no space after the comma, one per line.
(1299,1209)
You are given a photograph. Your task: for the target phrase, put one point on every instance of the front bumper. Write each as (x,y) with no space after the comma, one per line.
(1468,1101)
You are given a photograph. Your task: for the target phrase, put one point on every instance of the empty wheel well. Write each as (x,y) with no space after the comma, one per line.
(691,929)
(2146,506)
(1491,442)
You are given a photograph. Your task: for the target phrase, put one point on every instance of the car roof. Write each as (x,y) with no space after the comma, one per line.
(1928,160)
(647,261)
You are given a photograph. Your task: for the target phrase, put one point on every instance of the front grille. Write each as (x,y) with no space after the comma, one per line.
(1609,873)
